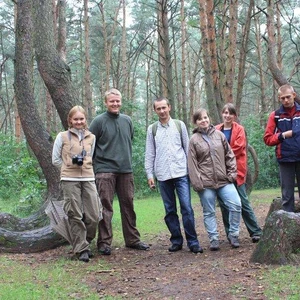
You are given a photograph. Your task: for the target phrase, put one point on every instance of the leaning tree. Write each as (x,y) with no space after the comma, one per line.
(35,40)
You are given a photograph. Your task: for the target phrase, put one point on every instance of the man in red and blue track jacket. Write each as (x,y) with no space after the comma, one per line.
(283,131)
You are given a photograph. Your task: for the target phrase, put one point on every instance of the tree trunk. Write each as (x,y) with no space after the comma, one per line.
(34,234)
(185,118)
(36,240)
(165,54)
(242,58)
(278,76)
(231,53)
(204,12)
(88,99)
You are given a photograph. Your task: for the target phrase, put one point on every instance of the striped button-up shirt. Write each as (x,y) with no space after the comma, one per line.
(166,153)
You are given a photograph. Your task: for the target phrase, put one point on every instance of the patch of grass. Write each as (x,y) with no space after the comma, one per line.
(150,219)
(62,279)
(282,283)
(264,196)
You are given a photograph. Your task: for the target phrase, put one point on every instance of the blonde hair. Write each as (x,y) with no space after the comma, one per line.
(112,91)
(73,111)
(285,87)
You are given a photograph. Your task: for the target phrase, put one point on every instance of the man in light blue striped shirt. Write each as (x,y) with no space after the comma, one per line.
(166,159)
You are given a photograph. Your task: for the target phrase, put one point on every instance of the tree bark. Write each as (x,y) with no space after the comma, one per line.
(37,137)
(88,99)
(34,234)
(204,11)
(242,58)
(231,53)
(55,73)
(165,53)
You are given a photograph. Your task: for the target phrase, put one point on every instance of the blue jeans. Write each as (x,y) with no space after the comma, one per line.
(231,199)
(248,214)
(167,190)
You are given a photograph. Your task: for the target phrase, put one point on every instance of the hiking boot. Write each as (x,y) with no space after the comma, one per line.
(196,249)
(90,253)
(139,246)
(234,241)
(214,245)
(105,250)
(175,248)
(255,238)
(84,256)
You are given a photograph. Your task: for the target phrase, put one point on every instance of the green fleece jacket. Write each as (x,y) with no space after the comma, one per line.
(113,151)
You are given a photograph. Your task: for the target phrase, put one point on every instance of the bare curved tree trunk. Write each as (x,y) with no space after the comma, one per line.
(55,72)
(278,76)
(34,234)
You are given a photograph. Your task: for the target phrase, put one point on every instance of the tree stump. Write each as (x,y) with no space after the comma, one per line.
(280,241)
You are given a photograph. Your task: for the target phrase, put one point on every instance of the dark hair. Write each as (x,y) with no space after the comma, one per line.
(198,114)
(230,107)
(160,99)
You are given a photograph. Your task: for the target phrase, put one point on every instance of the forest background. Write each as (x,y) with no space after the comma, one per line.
(56,54)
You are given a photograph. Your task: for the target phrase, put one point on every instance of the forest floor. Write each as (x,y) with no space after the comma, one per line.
(159,274)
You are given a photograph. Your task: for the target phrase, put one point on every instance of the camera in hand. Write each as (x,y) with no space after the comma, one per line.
(78,158)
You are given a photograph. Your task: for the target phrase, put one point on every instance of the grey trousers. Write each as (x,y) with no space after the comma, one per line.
(107,184)
(83,208)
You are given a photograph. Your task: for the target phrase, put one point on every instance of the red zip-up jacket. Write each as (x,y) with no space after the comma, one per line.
(238,144)
(287,150)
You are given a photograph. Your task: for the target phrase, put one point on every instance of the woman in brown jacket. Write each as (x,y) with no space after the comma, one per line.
(212,171)
(72,154)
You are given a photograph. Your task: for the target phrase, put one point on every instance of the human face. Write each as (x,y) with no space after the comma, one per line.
(162,109)
(113,103)
(203,122)
(227,117)
(78,120)
(287,98)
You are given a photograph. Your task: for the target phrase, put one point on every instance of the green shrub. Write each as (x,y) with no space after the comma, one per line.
(22,184)
(268,167)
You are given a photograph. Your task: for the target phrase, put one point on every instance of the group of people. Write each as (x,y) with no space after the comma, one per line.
(212,162)
(96,163)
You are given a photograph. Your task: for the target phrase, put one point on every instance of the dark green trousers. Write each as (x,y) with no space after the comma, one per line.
(248,214)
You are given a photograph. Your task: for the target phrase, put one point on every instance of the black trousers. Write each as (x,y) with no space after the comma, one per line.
(289,171)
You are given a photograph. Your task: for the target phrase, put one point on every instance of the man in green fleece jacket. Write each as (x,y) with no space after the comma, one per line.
(113,168)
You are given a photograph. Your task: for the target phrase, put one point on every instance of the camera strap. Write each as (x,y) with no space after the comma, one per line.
(81,141)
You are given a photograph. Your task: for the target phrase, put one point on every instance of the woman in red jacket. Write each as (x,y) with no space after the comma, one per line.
(236,137)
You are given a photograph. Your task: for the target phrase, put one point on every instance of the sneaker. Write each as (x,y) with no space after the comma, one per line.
(84,256)
(214,245)
(105,250)
(234,241)
(255,238)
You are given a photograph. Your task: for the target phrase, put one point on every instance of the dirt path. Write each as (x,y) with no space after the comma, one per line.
(159,274)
